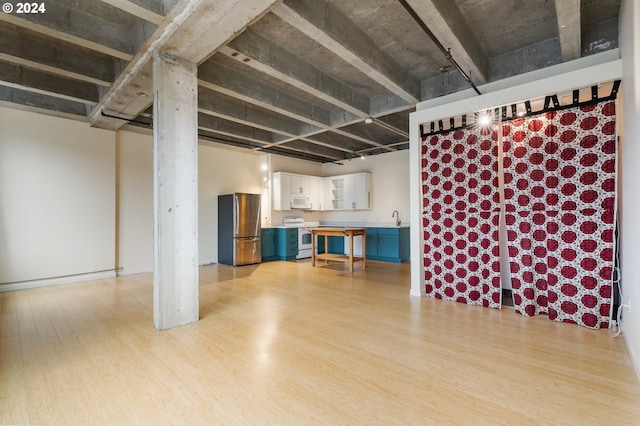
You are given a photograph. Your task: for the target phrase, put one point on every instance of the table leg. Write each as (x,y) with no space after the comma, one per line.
(350,252)
(326,248)
(313,249)
(364,250)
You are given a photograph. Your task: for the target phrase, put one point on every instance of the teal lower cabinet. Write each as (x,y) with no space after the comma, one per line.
(287,243)
(385,244)
(372,243)
(388,244)
(336,245)
(279,244)
(269,244)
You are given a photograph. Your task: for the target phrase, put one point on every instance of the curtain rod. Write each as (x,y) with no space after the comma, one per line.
(551,103)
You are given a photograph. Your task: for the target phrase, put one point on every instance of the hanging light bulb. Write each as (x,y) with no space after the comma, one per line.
(484,119)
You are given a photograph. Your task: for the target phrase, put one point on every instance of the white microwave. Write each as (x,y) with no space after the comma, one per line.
(299,201)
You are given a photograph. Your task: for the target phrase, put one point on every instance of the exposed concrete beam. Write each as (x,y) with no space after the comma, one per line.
(224,79)
(194,39)
(264,56)
(444,19)
(221,127)
(16,76)
(443,84)
(42,104)
(529,58)
(69,24)
(236,130)
(216,76)
(186,33)
(316,149)
(218,105)
(568,13)
(388,104)
(322,22)
(137,10)
(395,124)
(23,47)
(334,141)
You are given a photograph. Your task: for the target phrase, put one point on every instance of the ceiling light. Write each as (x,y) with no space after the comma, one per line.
(368,120)
(484,119)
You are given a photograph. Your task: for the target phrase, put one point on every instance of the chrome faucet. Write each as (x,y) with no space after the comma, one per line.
(397,216)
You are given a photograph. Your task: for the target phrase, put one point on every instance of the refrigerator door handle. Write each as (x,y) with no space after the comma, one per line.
(236,219)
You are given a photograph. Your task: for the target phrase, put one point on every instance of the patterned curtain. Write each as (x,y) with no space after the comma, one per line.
(559,189)
(461,210)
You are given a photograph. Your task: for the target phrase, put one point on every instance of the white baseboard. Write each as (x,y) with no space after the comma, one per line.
(634,359)
(134,271)
(416,292)
(23,285)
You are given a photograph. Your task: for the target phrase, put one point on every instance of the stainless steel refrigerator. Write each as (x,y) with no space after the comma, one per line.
(239,229)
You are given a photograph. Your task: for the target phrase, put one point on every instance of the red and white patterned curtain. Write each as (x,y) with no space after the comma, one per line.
(559,189)
(460,213)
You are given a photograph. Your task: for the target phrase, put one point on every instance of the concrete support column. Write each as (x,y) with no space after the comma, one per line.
(175,190)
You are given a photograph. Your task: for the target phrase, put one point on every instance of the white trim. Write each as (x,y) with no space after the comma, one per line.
(24,285)
(417,293)
(416,239)
(123,272)
(629,346)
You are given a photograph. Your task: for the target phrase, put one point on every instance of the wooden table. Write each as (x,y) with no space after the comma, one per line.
(338,232)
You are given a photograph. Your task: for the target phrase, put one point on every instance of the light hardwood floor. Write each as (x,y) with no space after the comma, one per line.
(286,343)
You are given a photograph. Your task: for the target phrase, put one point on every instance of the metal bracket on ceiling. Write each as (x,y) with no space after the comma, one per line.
(444,50)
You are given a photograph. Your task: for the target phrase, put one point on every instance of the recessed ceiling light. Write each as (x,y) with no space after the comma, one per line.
(368,120)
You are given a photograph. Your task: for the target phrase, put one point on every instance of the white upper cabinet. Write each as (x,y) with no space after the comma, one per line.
(359,194)
(301,184)
(281,191)
(334,193)
(346,192)
(316,193)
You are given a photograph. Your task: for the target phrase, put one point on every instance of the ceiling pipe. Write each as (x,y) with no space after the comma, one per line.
(432,36)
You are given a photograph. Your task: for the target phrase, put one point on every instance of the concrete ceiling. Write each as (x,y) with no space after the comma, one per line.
(292,77)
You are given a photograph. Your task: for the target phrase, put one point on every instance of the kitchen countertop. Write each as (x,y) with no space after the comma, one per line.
(343,225)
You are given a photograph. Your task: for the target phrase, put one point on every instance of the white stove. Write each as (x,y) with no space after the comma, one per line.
(304,234)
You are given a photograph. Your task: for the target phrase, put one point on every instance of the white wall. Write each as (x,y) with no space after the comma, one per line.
(57,197)
(135,202)
(390,188)
(221,171)
(630,156)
